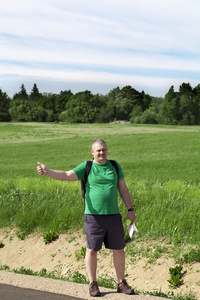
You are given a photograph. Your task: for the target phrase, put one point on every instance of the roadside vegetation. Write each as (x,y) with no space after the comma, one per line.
(161,167)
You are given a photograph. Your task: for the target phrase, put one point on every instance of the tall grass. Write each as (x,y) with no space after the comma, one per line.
(160,164)
(31,206)
(169,209)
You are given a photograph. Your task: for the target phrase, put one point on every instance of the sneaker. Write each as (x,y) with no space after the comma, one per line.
(123,287)
(94,289)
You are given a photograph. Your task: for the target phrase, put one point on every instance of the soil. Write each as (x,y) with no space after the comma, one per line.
(61,256)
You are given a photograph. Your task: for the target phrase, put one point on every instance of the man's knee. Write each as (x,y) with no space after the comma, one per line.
(91,252)
(118,251)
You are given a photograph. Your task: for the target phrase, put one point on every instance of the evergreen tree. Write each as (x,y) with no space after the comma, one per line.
(22,94)
(35,95)
(187,104)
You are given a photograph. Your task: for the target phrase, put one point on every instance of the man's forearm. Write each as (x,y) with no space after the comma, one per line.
(56,174)
(62,175)
(126,197)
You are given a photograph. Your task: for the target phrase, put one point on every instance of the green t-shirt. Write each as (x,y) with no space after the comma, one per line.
(101,188)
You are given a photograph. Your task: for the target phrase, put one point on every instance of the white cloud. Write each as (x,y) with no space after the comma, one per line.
(95,77)
(116,38)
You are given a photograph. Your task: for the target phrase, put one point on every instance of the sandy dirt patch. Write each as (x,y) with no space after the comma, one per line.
(60,256)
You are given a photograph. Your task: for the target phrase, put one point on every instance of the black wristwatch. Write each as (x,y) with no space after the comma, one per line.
(131,209)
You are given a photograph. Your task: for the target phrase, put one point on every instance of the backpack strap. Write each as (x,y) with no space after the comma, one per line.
(87,170)
(84,180)
(113,162)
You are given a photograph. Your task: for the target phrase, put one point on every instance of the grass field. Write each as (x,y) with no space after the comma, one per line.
(160,163)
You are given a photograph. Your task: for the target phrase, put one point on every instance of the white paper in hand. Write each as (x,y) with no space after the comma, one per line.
(132,230)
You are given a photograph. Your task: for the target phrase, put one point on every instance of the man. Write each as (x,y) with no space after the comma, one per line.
(103,222)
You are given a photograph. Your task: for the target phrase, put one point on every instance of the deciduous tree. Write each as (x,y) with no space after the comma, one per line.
(170,108)
(82,107)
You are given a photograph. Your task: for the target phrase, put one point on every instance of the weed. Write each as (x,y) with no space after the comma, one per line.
(171,295)
(4,268)
(49,237)
(71,239)
(192,256)
(1,245)
(159,251)
(189,296)
(24,271)
(78,277)
(43,273)
(131,250)
(160,294)
(107,282)
(21,235)
(53,255)
(80,254)
(175,277)
(151,260)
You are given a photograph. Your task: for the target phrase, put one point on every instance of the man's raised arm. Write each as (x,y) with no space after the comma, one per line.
(56,174)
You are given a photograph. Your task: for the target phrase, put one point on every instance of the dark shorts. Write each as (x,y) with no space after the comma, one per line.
(107,229)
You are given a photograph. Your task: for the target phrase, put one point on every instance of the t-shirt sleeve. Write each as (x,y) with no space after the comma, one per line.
(121,174)
(80,170)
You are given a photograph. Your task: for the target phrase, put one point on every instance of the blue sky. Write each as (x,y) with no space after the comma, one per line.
(98,45)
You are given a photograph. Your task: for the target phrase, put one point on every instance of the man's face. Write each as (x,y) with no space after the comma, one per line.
(100,152)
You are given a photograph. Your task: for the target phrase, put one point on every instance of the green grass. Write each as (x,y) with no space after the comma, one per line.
(145,152)
(160,164)
(48,206)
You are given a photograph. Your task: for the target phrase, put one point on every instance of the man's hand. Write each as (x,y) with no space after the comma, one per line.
(131,216)
(42,169)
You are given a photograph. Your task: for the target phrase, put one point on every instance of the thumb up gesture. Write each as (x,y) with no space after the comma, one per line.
(42,169)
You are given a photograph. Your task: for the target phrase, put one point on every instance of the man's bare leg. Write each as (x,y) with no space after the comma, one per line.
(119,263)
(91,264)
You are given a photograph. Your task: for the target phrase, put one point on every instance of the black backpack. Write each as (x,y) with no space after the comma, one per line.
(87,171)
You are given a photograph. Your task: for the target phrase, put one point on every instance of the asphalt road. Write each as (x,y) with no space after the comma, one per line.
(9,292)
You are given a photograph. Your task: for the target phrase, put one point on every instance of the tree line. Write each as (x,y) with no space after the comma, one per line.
(180,107)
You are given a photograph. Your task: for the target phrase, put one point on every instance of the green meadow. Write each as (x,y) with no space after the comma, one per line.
(160,164)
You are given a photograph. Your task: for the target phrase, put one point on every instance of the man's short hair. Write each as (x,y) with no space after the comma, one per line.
(98,141)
